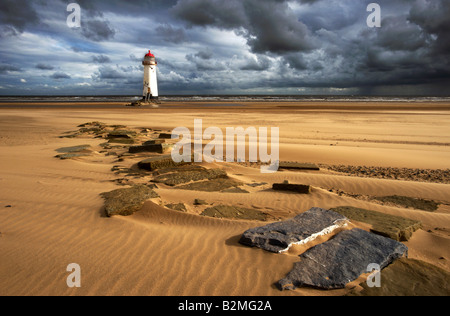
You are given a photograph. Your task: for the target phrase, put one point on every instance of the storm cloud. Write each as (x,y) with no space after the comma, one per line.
(233,46)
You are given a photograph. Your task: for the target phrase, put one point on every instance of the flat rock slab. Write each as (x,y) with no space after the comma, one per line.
(182,176)
(122,134)
(73,149)
(298,166)
(214,185)
(74,152)
(150,148)
(409,277)
(154,142)
(341,260)
(279,237)
(409,202)
(127,201)
(394,227)
(234,212)
(177,207)
(297,188)
(161,162)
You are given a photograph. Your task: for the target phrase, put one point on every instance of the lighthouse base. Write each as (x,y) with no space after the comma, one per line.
(150,100)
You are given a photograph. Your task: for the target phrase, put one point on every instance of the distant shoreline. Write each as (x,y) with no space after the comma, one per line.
(227,99)
(372,107)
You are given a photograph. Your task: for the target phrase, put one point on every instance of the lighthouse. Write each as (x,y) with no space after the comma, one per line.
(150,93)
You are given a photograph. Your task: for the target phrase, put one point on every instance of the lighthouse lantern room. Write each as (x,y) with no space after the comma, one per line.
(150,93)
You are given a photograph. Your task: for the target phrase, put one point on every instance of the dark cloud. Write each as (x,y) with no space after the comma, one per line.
(108,73)
(101,59)
(433,18)
(295,61)
(16,15)
(256,64)
(97,30)
(60,75)
(399,34)
(205,54)
(268,25)
(43,66)
(171,34)
(203,61)
(5,68)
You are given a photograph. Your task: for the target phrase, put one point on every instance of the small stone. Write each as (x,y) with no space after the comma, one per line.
(154,142)
(200,202)
(298,166)
(166,136)
(297,188)
(177,207)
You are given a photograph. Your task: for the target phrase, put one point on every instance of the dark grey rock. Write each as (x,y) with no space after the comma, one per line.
(72,155)
(150,148)
(122,134)
(297,188)
(298,166)
(278,237)
(74,152)
(154,142)
(74,149)
(165,136)
(200,202)
(341,260)
(125,141)
(254,185)
(161,162)
(177,207)
(127,201)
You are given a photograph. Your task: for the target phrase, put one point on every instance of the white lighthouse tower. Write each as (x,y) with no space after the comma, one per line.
(150,93)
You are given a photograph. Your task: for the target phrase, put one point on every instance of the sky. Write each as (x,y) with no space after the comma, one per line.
(205,47)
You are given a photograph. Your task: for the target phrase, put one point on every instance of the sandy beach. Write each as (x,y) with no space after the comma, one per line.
(52,214)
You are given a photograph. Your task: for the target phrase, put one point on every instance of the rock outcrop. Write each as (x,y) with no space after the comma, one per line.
(394,227)
(234,212)
(74,152)
(127,201)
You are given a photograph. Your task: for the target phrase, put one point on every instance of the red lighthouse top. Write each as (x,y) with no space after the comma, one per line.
(149,54)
